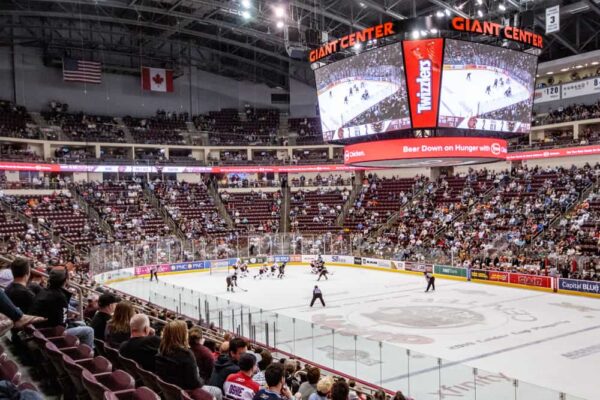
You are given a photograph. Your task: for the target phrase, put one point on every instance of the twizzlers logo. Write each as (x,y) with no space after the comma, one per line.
(423,63)
(424,82)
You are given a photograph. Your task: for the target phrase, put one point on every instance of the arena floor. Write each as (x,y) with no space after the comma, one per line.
(537,337)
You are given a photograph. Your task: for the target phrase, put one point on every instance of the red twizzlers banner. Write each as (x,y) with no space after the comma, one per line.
(423,63)
(531,280)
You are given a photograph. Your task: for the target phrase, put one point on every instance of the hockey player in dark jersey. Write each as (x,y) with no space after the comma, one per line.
(281,271)
(231,282)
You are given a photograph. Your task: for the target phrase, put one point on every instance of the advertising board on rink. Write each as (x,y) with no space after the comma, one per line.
(575,285)
(417,266)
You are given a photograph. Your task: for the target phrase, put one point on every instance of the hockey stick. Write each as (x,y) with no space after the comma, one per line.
(242,289)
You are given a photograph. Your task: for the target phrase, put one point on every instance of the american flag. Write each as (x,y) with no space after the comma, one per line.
(81,71)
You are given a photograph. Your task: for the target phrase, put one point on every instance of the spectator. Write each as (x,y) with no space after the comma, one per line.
(53,304)
(175,362)
(340,390)
(226,364)
(204,357)
(323,389)
(143,344)
(106,307)
(240,386)
(117,329)
(275,390)
(399,396)
(91,308)
(313,374)
(17,290)
(266,360)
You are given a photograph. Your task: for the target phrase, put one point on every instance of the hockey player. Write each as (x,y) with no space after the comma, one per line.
(488,89)
(313,267)
(330,93)
(231,281)
(281,271)
(244,270)
(468,76)
(323,273)
(495,83)
(262,272)
(508,92)
(345,99)
(274,269)
(350,91)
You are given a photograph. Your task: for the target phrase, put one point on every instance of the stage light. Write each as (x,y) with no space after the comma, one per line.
(246,14)
(415,34)
(246,3)
(279,12)
(479,13)
(434,31)
(363,5)
(357,46)
(280,24)
(479,2)
(447,12)
(439,14)
(502,7)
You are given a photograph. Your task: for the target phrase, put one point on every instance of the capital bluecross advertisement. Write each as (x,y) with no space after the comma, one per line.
(579,286)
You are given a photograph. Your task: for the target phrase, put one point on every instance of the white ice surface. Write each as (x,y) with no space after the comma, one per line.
(522,334)
(335,113)
(467,98)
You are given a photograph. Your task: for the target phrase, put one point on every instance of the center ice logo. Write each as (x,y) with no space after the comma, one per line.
(424,82)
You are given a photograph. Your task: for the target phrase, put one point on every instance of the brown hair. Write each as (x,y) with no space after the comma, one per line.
(174,336)
(195,335)
(121,317)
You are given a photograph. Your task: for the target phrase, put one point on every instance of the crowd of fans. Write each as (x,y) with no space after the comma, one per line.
(574,112)
(125,208)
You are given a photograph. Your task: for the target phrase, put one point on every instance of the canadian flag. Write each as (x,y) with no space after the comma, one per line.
(157,79)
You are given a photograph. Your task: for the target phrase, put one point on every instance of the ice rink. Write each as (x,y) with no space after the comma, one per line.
(537,337)
(335,112)
(468,98)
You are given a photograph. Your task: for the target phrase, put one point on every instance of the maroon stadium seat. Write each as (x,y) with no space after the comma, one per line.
(97,385)
(141,393)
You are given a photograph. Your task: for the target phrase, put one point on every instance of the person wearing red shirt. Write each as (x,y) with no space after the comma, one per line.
(240,386)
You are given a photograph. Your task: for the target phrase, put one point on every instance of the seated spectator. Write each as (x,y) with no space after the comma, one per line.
(240,386)
(17,291)
(267,359)
(204,357)
(53,304)
(323,389)
(226,364)
(340,390)
(275,390)
(91,308)
(106,307)
(175,362)
(117,329)
(309,387)
(143,344)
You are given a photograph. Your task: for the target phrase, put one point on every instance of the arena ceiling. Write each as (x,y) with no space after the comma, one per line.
(230,38)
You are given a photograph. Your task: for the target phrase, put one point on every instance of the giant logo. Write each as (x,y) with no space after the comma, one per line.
(424,82)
